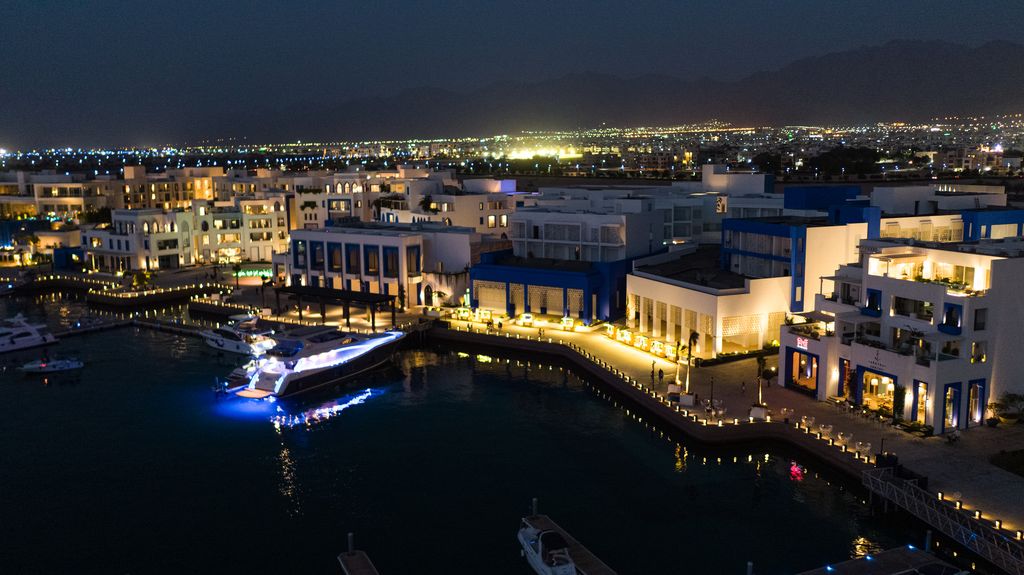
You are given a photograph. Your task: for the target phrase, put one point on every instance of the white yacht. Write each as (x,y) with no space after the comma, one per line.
(16,333)
(319,356)
(242,337)
(546,551)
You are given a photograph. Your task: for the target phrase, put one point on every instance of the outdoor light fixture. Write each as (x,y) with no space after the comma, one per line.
(999,523)
(959,504)
(940,496)
(977,513)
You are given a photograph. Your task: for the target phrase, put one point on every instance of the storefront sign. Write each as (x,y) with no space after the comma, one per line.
(801,342)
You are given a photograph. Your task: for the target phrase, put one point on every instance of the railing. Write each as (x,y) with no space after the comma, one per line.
(987,542)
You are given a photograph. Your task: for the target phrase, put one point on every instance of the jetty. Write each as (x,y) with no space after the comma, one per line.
(355,562)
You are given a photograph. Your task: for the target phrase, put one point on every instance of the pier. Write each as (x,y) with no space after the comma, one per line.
(355,562)
(586,562)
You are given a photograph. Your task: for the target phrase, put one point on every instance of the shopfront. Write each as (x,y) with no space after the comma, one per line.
(877,388)
(802,370)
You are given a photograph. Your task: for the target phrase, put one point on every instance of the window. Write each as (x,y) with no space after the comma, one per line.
(504,220)
(979,352)
(491,221)
(980,318)
(372,260)
(481,206)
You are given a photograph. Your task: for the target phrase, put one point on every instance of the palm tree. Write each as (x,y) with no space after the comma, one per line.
(690,342)
(761,366)
(237,268)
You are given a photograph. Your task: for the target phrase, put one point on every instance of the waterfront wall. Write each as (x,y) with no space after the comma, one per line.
(691,424)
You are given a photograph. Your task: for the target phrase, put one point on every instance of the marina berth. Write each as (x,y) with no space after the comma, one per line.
(17,333)
(313,357)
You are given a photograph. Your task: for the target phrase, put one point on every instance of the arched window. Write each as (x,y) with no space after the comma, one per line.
(206,226)
(338,187)
(145,227)
(277,206)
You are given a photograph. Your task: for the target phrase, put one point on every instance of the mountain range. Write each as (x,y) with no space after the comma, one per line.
(900,80)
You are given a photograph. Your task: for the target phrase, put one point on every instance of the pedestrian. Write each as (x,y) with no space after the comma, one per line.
(743,386)
(661,376)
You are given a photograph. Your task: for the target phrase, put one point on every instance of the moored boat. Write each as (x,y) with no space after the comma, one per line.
(319,357)
(17,333)
(546,551)
(244,337)
(51,365)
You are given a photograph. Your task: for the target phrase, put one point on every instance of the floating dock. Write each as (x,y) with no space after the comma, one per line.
(890,562)
(586,562)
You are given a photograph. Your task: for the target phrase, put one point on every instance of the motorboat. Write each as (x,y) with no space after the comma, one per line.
(310,358)
(546,551)
(17,333)
(51,365)
(242,336)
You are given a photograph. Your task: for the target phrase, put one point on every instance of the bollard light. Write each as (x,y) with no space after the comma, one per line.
(977,513)
(940,496)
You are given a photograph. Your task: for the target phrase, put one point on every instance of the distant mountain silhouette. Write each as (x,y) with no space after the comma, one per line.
(900,80)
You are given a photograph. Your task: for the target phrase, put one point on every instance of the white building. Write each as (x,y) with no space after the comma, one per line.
(425,263)
(940,322)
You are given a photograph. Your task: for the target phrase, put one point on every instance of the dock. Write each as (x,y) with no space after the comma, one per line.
(586,562)
(356,563)
(889,562)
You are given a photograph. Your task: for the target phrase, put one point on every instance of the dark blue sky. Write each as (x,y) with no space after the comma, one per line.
(96,73)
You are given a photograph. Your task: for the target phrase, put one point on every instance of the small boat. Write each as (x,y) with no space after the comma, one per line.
(547,552)
(51,365)
(16,333)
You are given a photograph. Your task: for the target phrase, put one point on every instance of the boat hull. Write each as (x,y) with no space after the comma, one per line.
(309,381)
(36,342)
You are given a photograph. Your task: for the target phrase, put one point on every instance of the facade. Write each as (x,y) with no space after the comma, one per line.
(424,263)
(938,322)
(244,229)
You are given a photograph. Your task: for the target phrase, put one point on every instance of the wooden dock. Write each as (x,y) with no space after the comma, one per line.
(889,562)
(356,563)
(586,562)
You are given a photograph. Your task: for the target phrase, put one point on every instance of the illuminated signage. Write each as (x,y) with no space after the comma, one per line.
(801,342)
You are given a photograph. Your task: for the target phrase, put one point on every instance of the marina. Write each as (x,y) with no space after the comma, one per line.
(295,452)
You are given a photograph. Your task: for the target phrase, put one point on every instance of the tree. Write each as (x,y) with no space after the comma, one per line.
(401,297)
(425,205)
(761,366)
(899,400)
(690,342)
(237,268)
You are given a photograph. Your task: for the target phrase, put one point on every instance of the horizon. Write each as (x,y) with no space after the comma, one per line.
(105,76)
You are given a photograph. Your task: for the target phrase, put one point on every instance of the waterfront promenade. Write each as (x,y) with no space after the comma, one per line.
(961,470)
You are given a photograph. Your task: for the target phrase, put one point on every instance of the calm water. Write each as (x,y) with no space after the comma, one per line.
(135,466)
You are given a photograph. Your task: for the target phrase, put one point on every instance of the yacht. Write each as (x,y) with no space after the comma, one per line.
(547,552)
(16,333)
(51,365)
(242,336)
(310,358)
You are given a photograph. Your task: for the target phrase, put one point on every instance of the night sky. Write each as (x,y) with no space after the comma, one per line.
(118,73)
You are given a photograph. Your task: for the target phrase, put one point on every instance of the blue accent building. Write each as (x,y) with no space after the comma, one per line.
(603,284)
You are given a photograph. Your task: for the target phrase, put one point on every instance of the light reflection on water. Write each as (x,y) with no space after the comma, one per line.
(286,415)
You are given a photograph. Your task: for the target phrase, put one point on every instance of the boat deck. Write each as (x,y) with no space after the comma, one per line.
(889,562)
(586,562)
(356,563)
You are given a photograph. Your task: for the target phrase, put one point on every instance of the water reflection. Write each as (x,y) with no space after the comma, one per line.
(323,412)
(285,414)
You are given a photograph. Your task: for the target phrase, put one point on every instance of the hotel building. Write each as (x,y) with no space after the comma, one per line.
(937,324)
